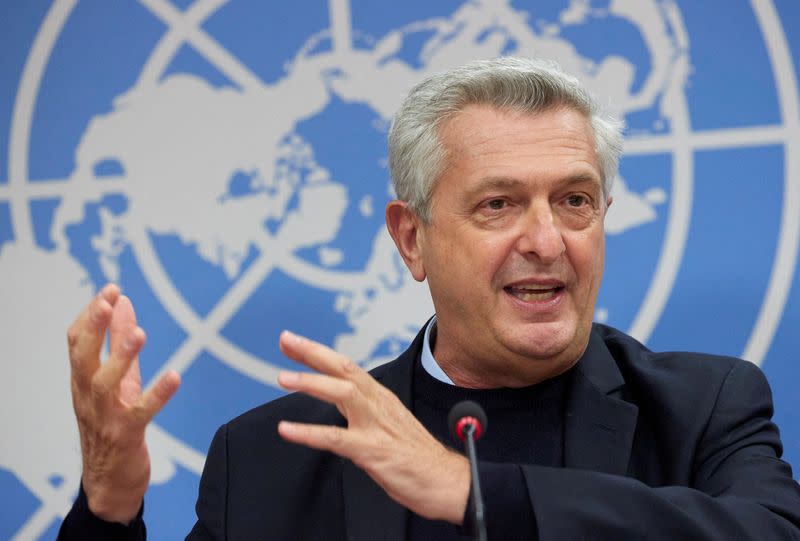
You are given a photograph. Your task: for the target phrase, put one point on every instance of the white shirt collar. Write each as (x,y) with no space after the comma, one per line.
(428,361)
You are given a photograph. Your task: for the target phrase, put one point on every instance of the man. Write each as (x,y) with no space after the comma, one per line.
(503,171)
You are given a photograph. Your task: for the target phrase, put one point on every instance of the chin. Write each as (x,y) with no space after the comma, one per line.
(543,341)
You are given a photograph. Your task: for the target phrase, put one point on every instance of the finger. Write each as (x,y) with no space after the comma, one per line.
(156,397)
(130,386)
(126,339)
(110,292)
(323,437)
(85,336)
(123,320)
(121,359)
(121,327)
(318,356)
(326,388)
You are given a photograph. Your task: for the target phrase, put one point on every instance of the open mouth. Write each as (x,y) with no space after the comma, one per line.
(534,293)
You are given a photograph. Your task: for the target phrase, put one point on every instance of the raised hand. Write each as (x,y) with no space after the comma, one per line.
(111,409)
(382,437)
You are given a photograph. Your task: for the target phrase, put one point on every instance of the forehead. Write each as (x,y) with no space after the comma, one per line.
(483,142)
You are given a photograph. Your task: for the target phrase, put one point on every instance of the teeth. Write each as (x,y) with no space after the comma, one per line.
(533,288)
(530,294)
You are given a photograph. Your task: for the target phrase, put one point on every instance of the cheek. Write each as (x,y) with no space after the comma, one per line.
(448,260)
(493,255)
(587,255)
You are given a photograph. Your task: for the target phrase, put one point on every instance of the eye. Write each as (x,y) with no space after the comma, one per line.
(577,200)
(496,204)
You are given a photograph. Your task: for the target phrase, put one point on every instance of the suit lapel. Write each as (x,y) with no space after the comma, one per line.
(599,425)
(370,514)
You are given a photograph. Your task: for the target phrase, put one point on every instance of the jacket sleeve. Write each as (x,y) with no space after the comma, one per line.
(740,488)
(81,524)
(211,507)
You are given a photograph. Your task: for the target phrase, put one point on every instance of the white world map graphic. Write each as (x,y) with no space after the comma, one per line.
(225,171)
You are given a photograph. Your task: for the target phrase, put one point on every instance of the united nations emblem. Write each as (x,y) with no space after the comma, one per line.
(225,162)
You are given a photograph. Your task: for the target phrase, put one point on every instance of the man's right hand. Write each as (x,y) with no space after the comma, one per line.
(111,409)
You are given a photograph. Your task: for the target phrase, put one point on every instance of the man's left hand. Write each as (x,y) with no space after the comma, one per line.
(382,437)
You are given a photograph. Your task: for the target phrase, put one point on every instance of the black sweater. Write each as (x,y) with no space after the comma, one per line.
(525,426)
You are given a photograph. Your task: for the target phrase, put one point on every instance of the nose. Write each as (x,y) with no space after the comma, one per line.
(540,236)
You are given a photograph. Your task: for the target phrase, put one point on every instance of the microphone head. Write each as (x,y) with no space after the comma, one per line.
(466,413)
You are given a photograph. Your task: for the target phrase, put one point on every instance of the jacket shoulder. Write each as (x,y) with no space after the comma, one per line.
(634,358)
(683,385)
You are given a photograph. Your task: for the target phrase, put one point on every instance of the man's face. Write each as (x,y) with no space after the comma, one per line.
(515,248)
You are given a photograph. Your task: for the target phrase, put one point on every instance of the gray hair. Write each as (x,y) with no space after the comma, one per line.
(416,154)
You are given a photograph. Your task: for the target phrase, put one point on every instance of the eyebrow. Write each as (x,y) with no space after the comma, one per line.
(583,177)
(497,183)
(508,183)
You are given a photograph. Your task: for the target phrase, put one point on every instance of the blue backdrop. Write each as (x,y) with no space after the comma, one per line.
(225,162)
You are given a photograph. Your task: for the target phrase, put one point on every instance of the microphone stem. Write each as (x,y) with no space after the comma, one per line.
(477,497)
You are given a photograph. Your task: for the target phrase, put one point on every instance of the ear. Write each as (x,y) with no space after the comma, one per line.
(405,227)
(608,202)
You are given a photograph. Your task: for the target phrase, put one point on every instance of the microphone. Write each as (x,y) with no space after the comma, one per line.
(468,422)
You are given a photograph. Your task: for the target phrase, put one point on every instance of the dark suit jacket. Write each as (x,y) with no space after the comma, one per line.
(671,446)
